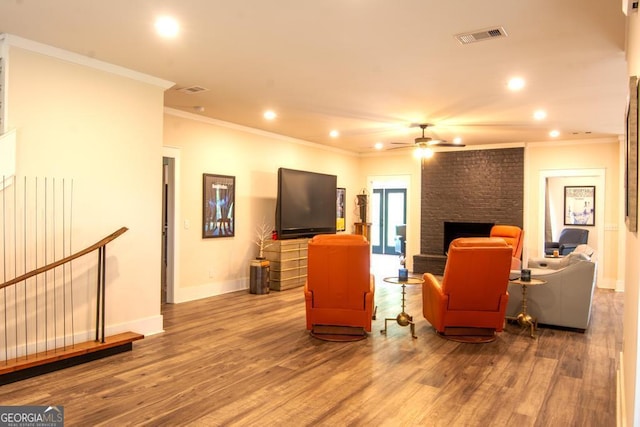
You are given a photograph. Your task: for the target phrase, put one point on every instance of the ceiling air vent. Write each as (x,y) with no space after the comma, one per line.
(480,35)
(193,89)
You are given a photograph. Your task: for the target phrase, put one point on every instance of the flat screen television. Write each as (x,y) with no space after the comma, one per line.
(306,204)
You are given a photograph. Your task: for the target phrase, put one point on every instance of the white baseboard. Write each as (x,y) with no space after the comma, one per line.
(607,283)
(146,326)
(206,290)
(621,415)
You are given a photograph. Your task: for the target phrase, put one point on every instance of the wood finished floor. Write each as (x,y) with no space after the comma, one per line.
(247,360)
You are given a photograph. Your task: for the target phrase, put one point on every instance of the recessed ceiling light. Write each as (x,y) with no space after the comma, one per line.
(379,145)
(516,84)
(270,115)
(457,140)
(554,133)
(334,134)
(539,114)
(167,26)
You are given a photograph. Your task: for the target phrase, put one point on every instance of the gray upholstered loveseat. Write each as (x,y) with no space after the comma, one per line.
(565,300)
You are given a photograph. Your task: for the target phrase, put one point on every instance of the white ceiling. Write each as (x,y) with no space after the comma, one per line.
(368,68)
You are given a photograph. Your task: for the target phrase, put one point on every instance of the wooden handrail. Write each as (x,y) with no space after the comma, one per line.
(58,263)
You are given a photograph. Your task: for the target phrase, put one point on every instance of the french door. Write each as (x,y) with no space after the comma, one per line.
(388,209)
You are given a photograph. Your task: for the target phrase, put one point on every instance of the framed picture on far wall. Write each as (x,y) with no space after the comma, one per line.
(341,197)
(218,205)
(631,158)
(579,205)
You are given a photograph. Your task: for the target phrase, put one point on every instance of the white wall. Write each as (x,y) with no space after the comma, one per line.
(77,120)
(217,265)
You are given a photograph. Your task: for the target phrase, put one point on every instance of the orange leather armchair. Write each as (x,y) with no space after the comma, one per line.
(472,298)
(339,291)
(514,236)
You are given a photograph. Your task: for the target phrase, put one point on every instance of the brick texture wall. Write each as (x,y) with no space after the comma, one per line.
(469,186)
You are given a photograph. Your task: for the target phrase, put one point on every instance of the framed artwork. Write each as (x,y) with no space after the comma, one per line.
(341,197)
(218,205)
(579,205)
(631,157)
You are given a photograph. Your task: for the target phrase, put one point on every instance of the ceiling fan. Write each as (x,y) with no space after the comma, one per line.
(426,141)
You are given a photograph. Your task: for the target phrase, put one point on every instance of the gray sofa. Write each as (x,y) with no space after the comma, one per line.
(565,300)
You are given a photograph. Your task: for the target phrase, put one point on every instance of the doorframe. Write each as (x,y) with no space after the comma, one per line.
(173,229)
(599,177)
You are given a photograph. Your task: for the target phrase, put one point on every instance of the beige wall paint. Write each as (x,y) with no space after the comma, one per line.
(213,266)
(576,156)
(541,156)
(630,360)
(401,165)
(104,132)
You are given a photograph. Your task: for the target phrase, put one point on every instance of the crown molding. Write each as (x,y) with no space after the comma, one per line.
(75,58)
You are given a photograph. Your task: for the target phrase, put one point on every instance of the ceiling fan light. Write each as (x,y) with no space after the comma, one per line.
(423,153)
(427,153)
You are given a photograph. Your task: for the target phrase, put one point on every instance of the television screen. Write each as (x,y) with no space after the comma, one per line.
(306,204)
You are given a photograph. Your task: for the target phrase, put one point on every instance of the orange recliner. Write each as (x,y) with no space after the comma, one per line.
(514,236)
(470,303)
(340,288)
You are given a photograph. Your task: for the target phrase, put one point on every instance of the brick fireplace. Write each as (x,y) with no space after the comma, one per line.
(474,186)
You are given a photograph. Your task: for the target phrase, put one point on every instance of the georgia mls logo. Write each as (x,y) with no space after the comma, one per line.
(56,410)
(31,416)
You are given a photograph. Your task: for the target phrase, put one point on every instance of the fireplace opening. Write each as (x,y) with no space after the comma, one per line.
(453,230)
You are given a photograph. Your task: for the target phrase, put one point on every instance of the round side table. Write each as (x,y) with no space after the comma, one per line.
(403,318)
(524,318)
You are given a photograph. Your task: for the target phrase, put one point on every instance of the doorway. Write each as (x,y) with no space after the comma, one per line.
(168,230)
(551,210)
(388,210)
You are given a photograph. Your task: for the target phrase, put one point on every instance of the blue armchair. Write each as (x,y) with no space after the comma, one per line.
(567,242)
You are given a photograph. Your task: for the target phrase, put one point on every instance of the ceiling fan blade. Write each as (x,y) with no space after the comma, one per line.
(402,147)
(446,144)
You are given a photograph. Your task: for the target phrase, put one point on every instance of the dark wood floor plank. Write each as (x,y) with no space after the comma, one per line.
(242,359)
